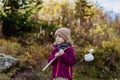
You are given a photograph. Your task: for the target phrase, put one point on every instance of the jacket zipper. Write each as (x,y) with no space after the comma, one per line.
(69,71)
(57,67)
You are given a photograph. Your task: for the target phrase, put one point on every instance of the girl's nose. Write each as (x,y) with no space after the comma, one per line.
(56,38)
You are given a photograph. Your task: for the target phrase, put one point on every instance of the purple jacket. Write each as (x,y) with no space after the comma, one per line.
(62,66)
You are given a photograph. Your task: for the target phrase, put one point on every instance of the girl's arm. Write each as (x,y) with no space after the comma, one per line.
(52,55)
(69,57)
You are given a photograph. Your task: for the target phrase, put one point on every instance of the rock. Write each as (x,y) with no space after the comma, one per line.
(6,61)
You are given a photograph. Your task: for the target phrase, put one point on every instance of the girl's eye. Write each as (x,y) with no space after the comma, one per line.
(57,36)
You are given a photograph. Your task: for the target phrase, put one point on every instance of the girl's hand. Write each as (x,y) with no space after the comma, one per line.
(61,52)
(57,54)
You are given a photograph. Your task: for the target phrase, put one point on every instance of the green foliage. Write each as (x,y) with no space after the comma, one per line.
(83,22)
(8,47)
(17,18)
(34,55)
(84,8)
(49,29)
(104,66)
(90,29)
(17,25)
(31,57)
(4,77)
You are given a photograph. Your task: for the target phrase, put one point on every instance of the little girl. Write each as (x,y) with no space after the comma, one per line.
(63,50)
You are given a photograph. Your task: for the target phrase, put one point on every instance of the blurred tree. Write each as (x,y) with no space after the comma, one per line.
(60,16)
(84,14)
(104,28)
(46,34)
(67,16)
(59,12)
(76,16)
(115,24)
(16,17)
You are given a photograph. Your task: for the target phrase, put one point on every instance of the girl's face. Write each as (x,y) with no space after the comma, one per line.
(59,40)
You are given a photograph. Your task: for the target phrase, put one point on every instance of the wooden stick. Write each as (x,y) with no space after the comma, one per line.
(49,63)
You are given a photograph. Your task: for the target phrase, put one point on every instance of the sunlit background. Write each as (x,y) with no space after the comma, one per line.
(108,5)
(27,33)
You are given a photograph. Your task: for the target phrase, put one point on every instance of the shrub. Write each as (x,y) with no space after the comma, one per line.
(11,48)
(104,66)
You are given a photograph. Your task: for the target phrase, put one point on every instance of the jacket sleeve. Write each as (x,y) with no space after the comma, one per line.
(52,55)
(69,57)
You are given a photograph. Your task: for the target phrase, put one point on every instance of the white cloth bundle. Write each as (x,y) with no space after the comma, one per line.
(89,56)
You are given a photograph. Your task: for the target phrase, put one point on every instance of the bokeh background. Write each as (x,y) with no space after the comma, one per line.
(27,32)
